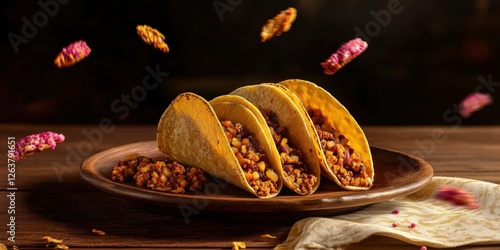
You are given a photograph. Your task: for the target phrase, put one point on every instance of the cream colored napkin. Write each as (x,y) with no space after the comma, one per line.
(437,223)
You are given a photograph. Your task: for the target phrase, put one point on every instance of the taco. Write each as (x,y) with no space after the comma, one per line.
(223,139)
(346,152)
(299,150)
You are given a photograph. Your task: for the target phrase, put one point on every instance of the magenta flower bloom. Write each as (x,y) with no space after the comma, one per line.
(346,53)
(473,103)
(34,143)
(72,54)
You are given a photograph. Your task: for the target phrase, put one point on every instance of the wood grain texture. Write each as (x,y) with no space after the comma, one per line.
(52,199)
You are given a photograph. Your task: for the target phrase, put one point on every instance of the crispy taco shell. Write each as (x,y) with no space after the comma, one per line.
(190,132)
(269,97)
(338,121)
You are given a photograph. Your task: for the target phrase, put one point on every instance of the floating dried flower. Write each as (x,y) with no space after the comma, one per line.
(279,24)
(395,211)
(456,196)
(346,53)
(72,54)
(34,143)
(394,225)
(152,37)
(474,102)
(413,225)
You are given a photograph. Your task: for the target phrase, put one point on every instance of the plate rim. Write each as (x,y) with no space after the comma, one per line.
(313,202)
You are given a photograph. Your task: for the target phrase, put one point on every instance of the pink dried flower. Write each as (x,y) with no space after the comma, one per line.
(394,225)
(34,143)
(72,54)
(457,196)
(395,212)
(413,225)
(473,103)
(423,248)
(346,53)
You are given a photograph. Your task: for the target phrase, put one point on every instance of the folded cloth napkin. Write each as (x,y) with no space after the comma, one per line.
(419,218)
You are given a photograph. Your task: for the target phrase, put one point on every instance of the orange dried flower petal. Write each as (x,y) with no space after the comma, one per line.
(152,37)
(279,24)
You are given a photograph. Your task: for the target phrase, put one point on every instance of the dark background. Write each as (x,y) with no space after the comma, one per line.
(418,66)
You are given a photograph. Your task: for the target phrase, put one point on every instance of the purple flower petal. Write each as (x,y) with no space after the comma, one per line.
(34,143)
(346,53)
(72,54)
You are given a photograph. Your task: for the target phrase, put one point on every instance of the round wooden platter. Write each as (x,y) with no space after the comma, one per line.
(396,174)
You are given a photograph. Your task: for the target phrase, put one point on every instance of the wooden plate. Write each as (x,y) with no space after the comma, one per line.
(396,174)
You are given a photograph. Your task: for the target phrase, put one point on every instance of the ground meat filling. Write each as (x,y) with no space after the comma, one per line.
(161,175)
(345,163)
(294,168)
(259,175)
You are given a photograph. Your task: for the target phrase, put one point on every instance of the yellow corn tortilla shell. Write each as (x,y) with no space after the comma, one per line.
(290,116)
(190,132)
(339,119)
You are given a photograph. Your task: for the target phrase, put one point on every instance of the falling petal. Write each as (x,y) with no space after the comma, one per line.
(152,37)
(279,24)
(346,53)
(34,143)
(456,196)
(72,54)
(473,103)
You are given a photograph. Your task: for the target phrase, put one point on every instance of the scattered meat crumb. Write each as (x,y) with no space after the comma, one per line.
(268,236)
(52,240)
(58,242)
(237,245)
(97,231)
(61,246)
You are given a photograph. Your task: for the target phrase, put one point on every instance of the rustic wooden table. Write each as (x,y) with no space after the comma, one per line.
(52,199)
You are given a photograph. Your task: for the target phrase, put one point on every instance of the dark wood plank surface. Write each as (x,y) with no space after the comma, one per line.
(52,199)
